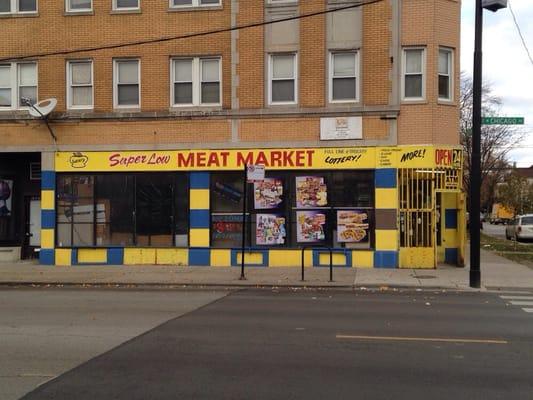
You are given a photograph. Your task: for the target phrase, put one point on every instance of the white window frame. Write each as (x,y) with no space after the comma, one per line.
(69,9)
(357,75)
(196,82)
(116,8)
(450,75)
(116,61)
(194,3)
(423,72)
(15,87)
(14,8)
(70,106)
(270,78)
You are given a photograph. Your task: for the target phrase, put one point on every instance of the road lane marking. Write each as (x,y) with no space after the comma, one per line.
(422,339)
(528,309)
(522,303)
(517,297)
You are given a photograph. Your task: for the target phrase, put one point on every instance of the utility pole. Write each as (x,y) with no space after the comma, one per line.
(475,173)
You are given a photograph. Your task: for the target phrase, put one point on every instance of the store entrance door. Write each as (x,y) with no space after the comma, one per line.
(417,219)
(32,240)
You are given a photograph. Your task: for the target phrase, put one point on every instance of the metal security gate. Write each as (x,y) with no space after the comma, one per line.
(417,218)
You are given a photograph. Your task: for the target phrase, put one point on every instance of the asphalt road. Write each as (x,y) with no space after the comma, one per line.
(302,344)
(45,333)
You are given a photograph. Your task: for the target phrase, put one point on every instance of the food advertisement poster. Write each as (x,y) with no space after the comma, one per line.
(310,226)
(311,191)
(352,226)
(268,193)
(270,229)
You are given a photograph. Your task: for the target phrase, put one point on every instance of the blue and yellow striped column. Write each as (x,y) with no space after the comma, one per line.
(199,252)
(386,216)
(48,217)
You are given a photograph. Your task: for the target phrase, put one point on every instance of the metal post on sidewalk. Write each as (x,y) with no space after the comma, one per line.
(475,162)
(245,194)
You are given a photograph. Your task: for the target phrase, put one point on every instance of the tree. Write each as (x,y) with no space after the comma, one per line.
(496,140)
(516,194)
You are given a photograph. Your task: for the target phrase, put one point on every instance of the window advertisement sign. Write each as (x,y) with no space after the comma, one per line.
(270,229)
(6,194)
(310,226)
(268,193)
(226,229)
(311,192)
(352,226)
(255,173)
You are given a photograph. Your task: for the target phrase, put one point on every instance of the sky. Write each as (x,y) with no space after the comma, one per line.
(506,65)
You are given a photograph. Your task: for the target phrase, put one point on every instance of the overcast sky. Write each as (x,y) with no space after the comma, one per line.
(506,65)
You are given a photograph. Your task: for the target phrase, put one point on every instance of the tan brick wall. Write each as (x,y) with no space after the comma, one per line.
(58,32)
(432,24)
(284,130)
(423,22)
(120,133)
(312,55)
(251,67)
(376,65)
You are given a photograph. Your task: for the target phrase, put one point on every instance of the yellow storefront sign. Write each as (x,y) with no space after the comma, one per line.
(273,159)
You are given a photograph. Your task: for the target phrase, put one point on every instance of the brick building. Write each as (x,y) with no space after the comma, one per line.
(353,113)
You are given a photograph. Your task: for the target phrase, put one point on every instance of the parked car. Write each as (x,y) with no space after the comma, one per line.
(521,227)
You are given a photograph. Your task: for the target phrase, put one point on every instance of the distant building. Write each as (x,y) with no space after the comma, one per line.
(354,113)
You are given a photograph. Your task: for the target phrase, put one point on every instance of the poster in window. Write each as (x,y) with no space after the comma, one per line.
(226,229)
(311,191)
(268,193)
(270,229)
(310,226)
(352,226)
(6,194)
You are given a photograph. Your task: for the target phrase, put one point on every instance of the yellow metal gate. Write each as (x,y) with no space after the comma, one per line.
(417,218)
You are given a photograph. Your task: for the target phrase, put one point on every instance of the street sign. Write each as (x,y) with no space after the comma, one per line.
(502,120)
(255,173)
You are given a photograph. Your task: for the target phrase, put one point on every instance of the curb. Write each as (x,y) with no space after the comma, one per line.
(227,286)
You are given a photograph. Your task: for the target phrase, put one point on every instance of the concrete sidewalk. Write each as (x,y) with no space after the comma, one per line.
(496,272)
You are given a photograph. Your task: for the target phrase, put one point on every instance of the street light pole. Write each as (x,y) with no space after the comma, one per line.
(475,162)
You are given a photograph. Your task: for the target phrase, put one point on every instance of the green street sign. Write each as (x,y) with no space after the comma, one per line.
(502,120)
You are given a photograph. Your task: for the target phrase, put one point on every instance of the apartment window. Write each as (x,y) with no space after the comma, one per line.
(413,83)
(17,81)
(344,78)
(80,84)
(194,3)
(126,4)
(282,79)
(196,81)
(127,79)
(18,6)
(79,5)
(445,74)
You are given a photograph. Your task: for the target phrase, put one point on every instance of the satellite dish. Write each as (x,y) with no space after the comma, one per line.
(43,108)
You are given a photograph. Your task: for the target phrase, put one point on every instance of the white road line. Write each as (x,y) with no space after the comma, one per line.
(528,309)
(522,303)
(517,297)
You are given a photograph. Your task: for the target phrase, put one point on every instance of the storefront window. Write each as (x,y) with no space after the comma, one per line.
(114,210)
(123,210)
(75,210)
(293,209)
(226,209)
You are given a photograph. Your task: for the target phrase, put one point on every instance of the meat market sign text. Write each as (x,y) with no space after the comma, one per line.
(274,159)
